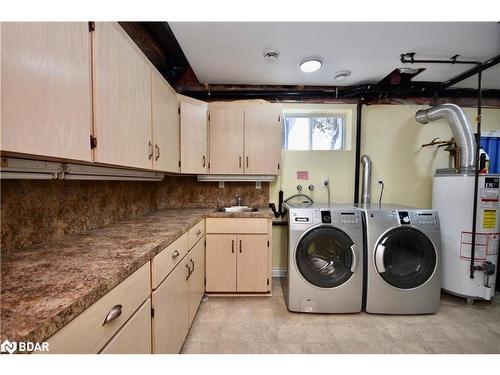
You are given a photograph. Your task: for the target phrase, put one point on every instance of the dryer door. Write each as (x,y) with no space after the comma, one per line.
(405,258)
(325,257)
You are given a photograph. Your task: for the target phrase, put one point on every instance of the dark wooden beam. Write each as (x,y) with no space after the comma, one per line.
(157,41)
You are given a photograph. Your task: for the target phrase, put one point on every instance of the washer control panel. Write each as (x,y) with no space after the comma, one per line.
(326,217)
(301,217)
(427,217)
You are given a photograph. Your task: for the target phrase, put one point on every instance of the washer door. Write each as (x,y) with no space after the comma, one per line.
(326,257)
(405,258)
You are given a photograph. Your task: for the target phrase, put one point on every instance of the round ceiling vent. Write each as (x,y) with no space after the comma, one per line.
(271,55)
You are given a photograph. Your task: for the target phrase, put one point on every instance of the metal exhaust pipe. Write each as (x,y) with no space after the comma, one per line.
(366,184)
(460,127)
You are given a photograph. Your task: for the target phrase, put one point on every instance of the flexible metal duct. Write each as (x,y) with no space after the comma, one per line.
(367,180)
(460,127)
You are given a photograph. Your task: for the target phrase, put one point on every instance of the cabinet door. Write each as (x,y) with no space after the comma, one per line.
(226,140)
(197,278)
(170,303)
(122,99)
(193,137)
(46,89)
(263,139)
(252,263)
(221,263)
(135,335)
(166,134)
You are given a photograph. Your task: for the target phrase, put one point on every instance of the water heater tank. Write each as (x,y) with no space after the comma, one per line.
(452,196)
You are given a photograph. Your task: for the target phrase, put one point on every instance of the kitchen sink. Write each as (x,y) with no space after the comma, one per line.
(237,209)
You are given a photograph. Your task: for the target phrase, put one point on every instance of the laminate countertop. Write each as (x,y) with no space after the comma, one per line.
(45,286)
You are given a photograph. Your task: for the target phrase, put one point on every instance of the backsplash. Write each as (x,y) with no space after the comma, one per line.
(187,192)
(35,211)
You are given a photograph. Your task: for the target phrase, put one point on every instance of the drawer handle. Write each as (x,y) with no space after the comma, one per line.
(175,254)
(240,246)
(114,313)
(198,232)
(232,246)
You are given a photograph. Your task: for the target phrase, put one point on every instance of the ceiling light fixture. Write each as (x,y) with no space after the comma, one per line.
(342,74)
(310,65)
(271,55)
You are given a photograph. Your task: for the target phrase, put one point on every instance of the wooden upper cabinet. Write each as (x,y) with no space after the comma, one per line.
(226,140)
(263,139)
(46,89)
(193,120)
(166,133)
(122,99)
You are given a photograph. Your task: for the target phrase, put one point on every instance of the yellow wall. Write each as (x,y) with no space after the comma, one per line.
(392,138)
(337,165)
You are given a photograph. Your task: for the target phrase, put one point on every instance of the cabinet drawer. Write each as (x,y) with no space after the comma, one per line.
(87,333)
(135,336)
(195,233)
(231,225)
(164,262)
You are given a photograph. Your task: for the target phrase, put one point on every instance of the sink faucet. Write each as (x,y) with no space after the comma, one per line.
(238,200)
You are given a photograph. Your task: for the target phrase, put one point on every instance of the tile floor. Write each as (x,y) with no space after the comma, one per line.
(264,325)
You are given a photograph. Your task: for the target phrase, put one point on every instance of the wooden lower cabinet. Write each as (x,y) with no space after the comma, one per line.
(197,278)
(135,336)
(171,310)
(176,300)
(237,263)
(221,263)
(251,263)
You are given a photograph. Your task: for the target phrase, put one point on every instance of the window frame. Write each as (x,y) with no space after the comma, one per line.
(310,116)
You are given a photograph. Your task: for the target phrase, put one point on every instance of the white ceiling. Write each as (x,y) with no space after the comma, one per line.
(232,52)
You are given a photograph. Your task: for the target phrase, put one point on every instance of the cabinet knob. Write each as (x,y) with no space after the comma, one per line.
(240,246)
(232,246)
(192,261)
(198,232)
(240,161)
(114,313)
(204,161)
(175,254)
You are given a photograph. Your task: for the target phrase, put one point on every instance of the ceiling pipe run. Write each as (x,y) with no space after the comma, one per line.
(460,127)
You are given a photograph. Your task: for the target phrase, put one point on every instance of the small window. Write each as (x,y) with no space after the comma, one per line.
(314,132)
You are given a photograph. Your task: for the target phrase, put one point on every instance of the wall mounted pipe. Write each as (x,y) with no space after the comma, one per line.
(367,180)
(359,110)
(460,127)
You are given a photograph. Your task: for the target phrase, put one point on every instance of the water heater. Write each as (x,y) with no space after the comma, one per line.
(452,196)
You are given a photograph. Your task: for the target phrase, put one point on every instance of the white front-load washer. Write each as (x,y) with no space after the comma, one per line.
(324,272)
(402,260)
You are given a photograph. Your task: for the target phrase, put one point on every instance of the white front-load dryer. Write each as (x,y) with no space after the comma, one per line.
(324,272)
(402,260)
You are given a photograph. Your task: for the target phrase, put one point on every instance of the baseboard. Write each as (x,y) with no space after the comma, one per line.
(278,272)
